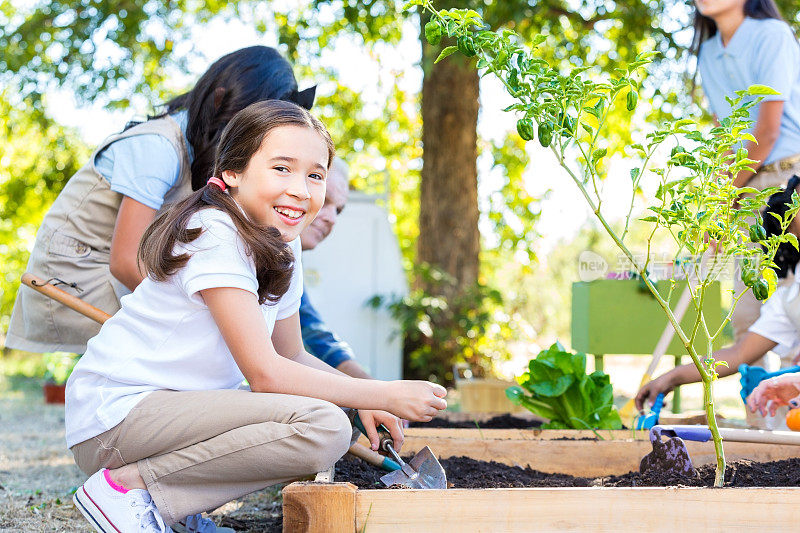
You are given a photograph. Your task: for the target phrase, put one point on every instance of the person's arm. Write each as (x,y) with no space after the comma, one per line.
(766,132)
(352,369)
(241,323)
(142,169)
(748,350)
(132,220)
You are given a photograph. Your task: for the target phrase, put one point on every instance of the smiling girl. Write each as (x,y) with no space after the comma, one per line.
(154,411)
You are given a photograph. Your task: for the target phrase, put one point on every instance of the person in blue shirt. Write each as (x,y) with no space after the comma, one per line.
(319,339)
(741,43)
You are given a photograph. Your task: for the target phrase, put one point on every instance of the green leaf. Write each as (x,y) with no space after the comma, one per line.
(411,3)
(599,154)
(553,388)
(760,90)
(515,394)
(792,239)
(446,52)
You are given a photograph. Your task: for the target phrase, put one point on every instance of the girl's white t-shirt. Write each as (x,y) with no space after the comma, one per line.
(164,336)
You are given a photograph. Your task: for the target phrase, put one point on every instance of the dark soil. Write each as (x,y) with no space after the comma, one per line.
(463,472)
(504,421)
(784,473)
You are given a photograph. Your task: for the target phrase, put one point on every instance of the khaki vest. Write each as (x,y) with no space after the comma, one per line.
(73,244)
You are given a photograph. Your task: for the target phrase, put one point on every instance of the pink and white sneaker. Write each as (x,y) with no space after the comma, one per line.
(110,511)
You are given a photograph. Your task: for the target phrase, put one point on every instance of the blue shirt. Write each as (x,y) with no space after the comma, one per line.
(144,167)
(763,52)
(319,340)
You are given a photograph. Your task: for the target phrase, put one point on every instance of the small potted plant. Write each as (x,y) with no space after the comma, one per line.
(58,366)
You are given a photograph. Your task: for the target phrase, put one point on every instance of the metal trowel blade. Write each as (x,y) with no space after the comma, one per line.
(428,473)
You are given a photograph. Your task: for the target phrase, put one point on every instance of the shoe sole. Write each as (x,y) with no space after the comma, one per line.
(92,512)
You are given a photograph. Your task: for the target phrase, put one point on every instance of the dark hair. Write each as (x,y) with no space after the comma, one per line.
(786,257)
(705,27)
(241,138)
(230,84)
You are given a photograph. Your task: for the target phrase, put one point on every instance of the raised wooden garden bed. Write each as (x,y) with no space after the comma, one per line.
(317,507)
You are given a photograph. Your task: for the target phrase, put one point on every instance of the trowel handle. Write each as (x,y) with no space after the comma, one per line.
(386,441)
(696,433)
(703,434)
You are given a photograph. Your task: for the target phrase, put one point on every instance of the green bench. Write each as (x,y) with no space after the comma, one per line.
(621,317)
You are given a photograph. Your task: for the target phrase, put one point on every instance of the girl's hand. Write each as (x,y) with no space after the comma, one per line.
(372,419)
(774,392)
(647,394)
(417,401)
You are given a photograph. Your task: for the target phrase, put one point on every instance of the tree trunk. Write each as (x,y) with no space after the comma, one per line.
(449,239)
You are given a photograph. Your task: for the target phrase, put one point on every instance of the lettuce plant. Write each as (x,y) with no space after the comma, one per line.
(695,201)
(557,387)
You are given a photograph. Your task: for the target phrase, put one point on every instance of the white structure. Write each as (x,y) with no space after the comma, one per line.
(360,259)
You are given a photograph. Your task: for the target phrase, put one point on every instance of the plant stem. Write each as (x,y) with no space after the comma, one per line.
(708,398)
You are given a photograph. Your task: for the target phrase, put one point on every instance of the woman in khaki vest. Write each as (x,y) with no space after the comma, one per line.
(777,328)
(89,238)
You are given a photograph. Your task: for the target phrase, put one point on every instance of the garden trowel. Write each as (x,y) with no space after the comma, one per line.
(423,471)
(672,456)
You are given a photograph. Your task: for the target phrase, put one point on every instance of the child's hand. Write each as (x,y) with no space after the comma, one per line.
(372,419)
(774,392)
(647,394)
(417,401)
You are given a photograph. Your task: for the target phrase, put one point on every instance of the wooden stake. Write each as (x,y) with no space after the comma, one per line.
(319,507)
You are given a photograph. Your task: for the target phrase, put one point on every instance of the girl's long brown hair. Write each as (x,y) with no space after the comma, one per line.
(240,139)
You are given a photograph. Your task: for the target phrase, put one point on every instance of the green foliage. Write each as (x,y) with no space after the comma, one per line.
(106,50)
(59,366)
(37,157)
(557,387)
(512,211)
(473,327)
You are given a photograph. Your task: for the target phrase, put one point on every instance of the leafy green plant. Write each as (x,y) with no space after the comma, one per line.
(695,203)
(59,366)
(557,387)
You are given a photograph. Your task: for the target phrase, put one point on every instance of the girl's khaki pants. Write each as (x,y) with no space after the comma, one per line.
(197,450)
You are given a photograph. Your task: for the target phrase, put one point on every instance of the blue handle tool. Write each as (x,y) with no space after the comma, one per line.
(753,375)
(651,419)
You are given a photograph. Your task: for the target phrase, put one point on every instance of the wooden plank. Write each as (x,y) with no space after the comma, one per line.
(481,396)
(576,509)
(586,458)
(318,507)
